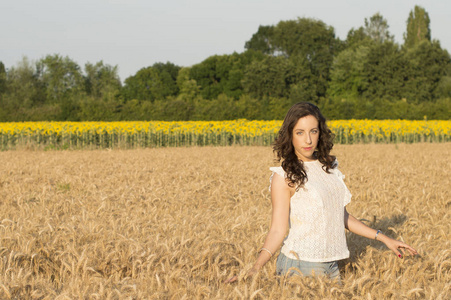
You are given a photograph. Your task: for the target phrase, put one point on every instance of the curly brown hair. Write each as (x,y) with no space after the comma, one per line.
(283,146)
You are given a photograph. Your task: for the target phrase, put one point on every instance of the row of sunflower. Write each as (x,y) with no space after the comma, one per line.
(202,133)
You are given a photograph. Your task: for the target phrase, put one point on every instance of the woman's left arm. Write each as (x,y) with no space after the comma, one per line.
(357,227)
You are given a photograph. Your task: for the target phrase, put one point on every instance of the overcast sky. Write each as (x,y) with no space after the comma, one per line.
(133,34)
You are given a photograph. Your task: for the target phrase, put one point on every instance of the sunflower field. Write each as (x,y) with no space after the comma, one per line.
(80,135)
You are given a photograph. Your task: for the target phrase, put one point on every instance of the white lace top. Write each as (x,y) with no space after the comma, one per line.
(317,231)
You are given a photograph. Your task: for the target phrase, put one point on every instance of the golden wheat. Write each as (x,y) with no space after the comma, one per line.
(174,223)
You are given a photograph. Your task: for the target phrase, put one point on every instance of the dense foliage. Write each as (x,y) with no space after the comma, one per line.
(368,75)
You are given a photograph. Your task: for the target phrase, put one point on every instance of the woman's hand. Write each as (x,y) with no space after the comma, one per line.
(251,273)
(280,199)
(357,227)
(397,246)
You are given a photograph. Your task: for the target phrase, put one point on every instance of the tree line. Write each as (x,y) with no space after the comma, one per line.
(367,75)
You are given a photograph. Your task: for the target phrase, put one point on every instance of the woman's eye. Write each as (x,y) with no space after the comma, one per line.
(299,133)
(315,131)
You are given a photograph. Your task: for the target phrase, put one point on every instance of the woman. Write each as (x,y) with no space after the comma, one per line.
(309,199)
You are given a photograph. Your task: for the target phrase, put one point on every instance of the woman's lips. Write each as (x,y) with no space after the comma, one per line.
(308,148)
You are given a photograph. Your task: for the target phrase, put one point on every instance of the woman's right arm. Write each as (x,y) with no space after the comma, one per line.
(280,198)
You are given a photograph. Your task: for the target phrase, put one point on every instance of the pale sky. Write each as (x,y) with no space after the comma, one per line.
(134,34)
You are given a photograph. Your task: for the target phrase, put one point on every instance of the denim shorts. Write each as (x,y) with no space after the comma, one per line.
(289,267)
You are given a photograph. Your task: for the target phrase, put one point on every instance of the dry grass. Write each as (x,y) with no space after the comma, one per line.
(173,223)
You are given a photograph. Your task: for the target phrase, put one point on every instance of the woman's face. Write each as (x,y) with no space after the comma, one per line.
(305,137)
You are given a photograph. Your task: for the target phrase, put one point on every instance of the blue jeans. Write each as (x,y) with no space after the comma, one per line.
(289,267)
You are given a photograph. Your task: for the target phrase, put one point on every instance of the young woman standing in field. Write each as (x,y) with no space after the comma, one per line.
(309,199)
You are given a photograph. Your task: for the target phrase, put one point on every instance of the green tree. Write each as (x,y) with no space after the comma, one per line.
(418,29)
(91,109)
(356,37)
(262,40)
(168,73)
(2,78)
(384,72)
(64,84)
(62,78)
(103,87)
(101,80)
(188,88)
(222,74)
(144,85)
(221,108)
(348,73)
(23,87)
(376,28)
(208,77)
(428,67)
(304,87)
(23,91)
(274,77)
(443,89)
(312,40)
(369,71)
(380,80)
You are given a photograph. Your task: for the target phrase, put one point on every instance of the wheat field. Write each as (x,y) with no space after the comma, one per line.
(174,223)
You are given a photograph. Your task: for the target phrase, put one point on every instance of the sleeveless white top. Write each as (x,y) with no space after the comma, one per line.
(317,231)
